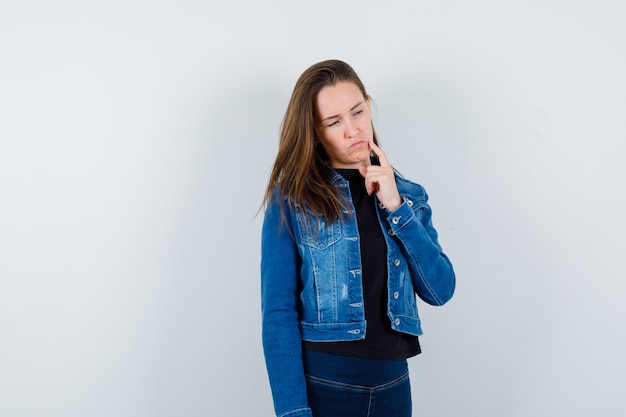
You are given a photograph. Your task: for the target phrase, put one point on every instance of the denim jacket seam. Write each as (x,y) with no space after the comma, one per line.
(295,411)
(432,292)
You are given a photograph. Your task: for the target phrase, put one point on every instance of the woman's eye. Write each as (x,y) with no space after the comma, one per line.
(333,123)
(358,112)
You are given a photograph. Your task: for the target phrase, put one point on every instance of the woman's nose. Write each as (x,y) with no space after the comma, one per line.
(351,129)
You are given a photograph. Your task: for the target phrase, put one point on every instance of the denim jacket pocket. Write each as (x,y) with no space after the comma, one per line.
(316,232)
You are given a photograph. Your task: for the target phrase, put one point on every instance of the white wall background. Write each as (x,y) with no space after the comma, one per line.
(135,141)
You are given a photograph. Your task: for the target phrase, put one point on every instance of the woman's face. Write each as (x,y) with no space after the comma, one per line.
(344,127)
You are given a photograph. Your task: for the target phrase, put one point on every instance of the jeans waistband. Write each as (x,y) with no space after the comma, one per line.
(353,370)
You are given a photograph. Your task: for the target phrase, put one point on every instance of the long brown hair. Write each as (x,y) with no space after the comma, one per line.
(300,171)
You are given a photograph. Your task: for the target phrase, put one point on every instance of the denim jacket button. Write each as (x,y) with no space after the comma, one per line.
(396,295)
(409,202)
(396,322)
(396,262)
(396,220)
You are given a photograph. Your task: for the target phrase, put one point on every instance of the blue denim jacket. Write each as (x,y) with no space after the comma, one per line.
(311,286)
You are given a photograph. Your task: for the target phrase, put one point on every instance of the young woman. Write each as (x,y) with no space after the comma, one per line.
(346,245)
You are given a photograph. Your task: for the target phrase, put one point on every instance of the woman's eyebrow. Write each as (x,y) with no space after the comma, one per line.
(335,116)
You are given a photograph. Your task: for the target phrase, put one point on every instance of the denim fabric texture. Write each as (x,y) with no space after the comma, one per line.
(311,285)
(343,386)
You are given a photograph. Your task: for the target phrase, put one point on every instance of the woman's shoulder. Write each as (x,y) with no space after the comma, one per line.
(407,186)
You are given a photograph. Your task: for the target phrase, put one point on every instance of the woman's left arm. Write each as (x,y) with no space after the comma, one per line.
(431,270)
(410,221)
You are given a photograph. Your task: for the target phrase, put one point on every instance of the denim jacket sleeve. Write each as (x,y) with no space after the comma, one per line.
(280,286)
(431,270)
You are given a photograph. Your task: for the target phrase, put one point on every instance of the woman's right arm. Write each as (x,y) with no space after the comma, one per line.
(280,288)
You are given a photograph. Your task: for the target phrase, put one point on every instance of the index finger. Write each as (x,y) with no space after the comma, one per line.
(382,157)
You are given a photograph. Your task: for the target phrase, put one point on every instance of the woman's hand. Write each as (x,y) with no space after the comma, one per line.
(381,180)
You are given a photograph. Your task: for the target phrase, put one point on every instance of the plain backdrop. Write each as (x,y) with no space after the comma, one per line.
(136,139)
